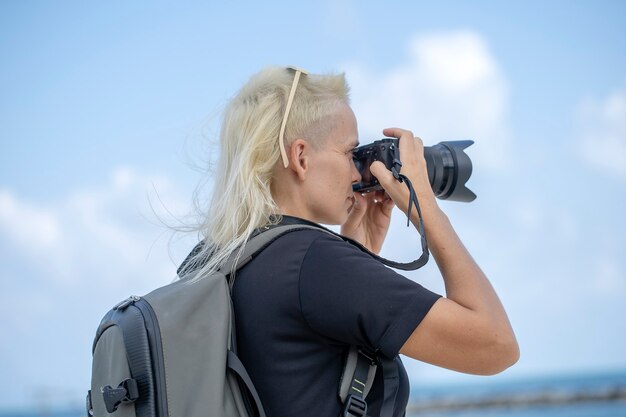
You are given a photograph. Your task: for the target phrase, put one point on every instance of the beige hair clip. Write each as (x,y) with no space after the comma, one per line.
(292,93)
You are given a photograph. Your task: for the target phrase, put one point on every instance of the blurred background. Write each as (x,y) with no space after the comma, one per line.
(109,113)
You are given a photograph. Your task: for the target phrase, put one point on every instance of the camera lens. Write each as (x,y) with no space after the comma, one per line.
(449,168)
(447,164)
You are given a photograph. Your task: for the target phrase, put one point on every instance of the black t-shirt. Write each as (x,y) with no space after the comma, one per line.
(302,302)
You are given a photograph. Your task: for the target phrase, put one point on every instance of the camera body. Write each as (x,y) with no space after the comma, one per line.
(447,164)
(385,150)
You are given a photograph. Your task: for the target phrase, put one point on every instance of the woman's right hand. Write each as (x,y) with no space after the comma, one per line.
(413,167)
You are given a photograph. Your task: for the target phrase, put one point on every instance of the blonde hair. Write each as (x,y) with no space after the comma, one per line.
(249,151)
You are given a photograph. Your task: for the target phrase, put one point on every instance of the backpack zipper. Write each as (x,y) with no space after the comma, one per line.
(156,349)
(122,305)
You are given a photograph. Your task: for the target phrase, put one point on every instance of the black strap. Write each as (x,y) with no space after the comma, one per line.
(391,380)
(414,201)
(408,266)
(396,166)
(405,266)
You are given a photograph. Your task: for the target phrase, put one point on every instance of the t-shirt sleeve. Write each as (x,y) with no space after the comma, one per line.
(348,296)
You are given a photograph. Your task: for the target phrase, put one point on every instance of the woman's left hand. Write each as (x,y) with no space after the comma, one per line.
(368,221)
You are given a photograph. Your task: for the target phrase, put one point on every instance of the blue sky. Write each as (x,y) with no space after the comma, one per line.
(108,111)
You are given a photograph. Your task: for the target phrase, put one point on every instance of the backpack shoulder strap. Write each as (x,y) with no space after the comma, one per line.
(260,241)
(356,381)
(253,247)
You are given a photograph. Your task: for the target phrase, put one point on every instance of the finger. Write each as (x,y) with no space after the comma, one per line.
(418,145)
(388,206)
(394,132)
(406,142)
(396,190)
(359,208)
(382,174)
(379,196)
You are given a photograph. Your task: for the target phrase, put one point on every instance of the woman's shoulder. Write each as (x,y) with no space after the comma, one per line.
(303,230)
(309,236)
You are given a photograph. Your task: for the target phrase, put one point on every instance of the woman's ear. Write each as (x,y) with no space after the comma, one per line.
(299,158)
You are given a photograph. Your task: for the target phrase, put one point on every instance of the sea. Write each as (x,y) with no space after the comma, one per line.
(598,394)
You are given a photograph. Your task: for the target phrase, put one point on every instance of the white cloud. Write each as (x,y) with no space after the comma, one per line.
(66,262)
(609,280)
(28,225)
(97,233)
(449,87)
(602,142)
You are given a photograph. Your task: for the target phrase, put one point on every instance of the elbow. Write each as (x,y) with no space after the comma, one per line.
(503,353)
(513,353)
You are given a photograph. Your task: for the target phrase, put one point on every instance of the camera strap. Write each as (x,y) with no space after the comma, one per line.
(405,266)
(396,165)
(413,201)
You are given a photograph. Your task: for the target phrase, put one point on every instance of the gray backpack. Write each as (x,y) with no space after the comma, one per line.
(172,353)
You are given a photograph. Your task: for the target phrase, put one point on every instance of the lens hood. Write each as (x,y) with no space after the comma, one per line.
(449,168)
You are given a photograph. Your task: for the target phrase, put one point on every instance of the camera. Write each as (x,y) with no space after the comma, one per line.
(447,164)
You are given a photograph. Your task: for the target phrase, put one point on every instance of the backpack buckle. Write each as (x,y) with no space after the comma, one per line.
(354,407)
(125,392)
(89,404)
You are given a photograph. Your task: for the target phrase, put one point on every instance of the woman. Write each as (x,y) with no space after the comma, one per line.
(286,157)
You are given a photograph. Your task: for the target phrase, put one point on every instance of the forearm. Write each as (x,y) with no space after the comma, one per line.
(465,282)
(468,330)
